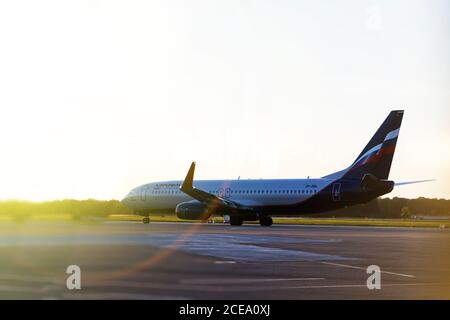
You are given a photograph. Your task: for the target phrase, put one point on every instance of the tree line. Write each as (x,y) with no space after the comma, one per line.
(75,208)
(395,208)
(378,208)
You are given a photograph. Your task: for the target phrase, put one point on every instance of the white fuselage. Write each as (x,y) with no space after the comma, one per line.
(166,195)
(246,200)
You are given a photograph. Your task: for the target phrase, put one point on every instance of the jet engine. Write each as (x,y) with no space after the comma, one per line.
(192,210)
(371,183)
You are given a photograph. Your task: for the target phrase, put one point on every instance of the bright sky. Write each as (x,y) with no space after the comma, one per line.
(97,97)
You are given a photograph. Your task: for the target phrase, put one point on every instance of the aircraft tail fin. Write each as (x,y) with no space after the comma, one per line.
(376,157)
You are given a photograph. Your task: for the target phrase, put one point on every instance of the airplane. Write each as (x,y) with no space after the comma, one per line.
(252,200)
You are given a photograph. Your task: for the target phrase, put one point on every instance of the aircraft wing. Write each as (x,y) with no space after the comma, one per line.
(411,182)
(206,197)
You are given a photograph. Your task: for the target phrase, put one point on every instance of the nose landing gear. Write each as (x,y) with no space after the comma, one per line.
(146,220)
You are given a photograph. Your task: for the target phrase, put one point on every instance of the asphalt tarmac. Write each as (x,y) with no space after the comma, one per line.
(129,260)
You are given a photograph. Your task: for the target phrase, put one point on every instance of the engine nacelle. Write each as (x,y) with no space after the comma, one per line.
(371,183)
(192,210)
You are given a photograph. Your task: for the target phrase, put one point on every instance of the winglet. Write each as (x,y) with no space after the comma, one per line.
(188,181)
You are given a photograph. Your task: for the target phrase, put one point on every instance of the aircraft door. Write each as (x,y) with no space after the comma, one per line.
(144,194)
(336,192)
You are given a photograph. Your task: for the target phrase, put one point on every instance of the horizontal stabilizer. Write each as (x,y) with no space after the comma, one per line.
(412,182)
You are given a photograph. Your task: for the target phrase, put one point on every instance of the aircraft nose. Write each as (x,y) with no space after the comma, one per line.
(124,201)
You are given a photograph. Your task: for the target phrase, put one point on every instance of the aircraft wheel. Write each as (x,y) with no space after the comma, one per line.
(236,221)
(146,220)
(265,221)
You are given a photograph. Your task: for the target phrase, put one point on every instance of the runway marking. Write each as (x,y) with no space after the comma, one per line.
(119,296)
(180,288)
(361,268)
(221,281)
(228,247)
(364,286)
(218,288)
(177,287)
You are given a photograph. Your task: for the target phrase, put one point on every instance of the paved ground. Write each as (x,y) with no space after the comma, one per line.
(121,260)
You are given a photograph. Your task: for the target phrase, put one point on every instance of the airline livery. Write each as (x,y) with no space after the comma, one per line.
(253,200)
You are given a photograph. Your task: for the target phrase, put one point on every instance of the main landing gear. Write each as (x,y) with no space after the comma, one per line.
(146,220)
(265,221)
